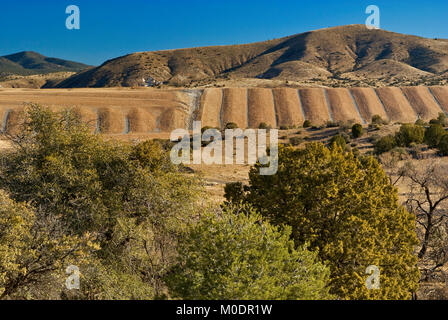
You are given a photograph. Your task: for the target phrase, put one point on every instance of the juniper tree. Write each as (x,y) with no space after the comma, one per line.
(345,207)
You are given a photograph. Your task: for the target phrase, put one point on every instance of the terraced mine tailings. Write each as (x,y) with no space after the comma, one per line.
(121,111)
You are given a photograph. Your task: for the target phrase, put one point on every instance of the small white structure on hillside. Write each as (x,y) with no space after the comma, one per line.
(149,82)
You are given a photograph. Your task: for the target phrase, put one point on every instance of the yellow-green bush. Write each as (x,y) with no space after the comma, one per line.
(346,208)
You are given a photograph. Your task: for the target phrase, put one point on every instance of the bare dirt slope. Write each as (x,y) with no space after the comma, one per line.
(289,107)
(152,111)
(114,111)
(343,105)
(441,96)
(423,102)
(235,107)
(210,111)
(261,108)
(369,104)
(315,105)
(396,105)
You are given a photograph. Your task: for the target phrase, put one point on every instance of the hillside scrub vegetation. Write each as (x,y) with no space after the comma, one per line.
(306,62)
(410,133)
(433,135)
(414,134)
(378,120)
(231,125)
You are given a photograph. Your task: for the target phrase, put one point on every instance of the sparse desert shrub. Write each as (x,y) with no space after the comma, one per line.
(441,119)
(434,134)
(295,141)
(443,145)
(374,127)
(416,150)
(400,152)
(234,254)
(357,130)
(410,133)
(166,144)
(346,125)
(203,129)
(385,144)
(231,125)
(307,124)
(264,125)
(332,124)
(338,140)
(346,136)
(420,122)
(377,119)
(374,138)
(284,128)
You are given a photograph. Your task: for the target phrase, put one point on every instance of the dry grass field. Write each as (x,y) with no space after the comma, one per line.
(145,110)
(150,111)
(217,175)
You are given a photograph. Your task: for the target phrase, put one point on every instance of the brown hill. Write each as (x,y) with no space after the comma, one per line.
(341,56)
(31,63)
(35,81)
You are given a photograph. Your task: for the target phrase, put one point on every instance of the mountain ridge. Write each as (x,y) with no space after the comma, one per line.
(339,56)
(27,63)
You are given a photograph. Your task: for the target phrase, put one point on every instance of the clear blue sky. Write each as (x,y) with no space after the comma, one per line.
(111,28)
